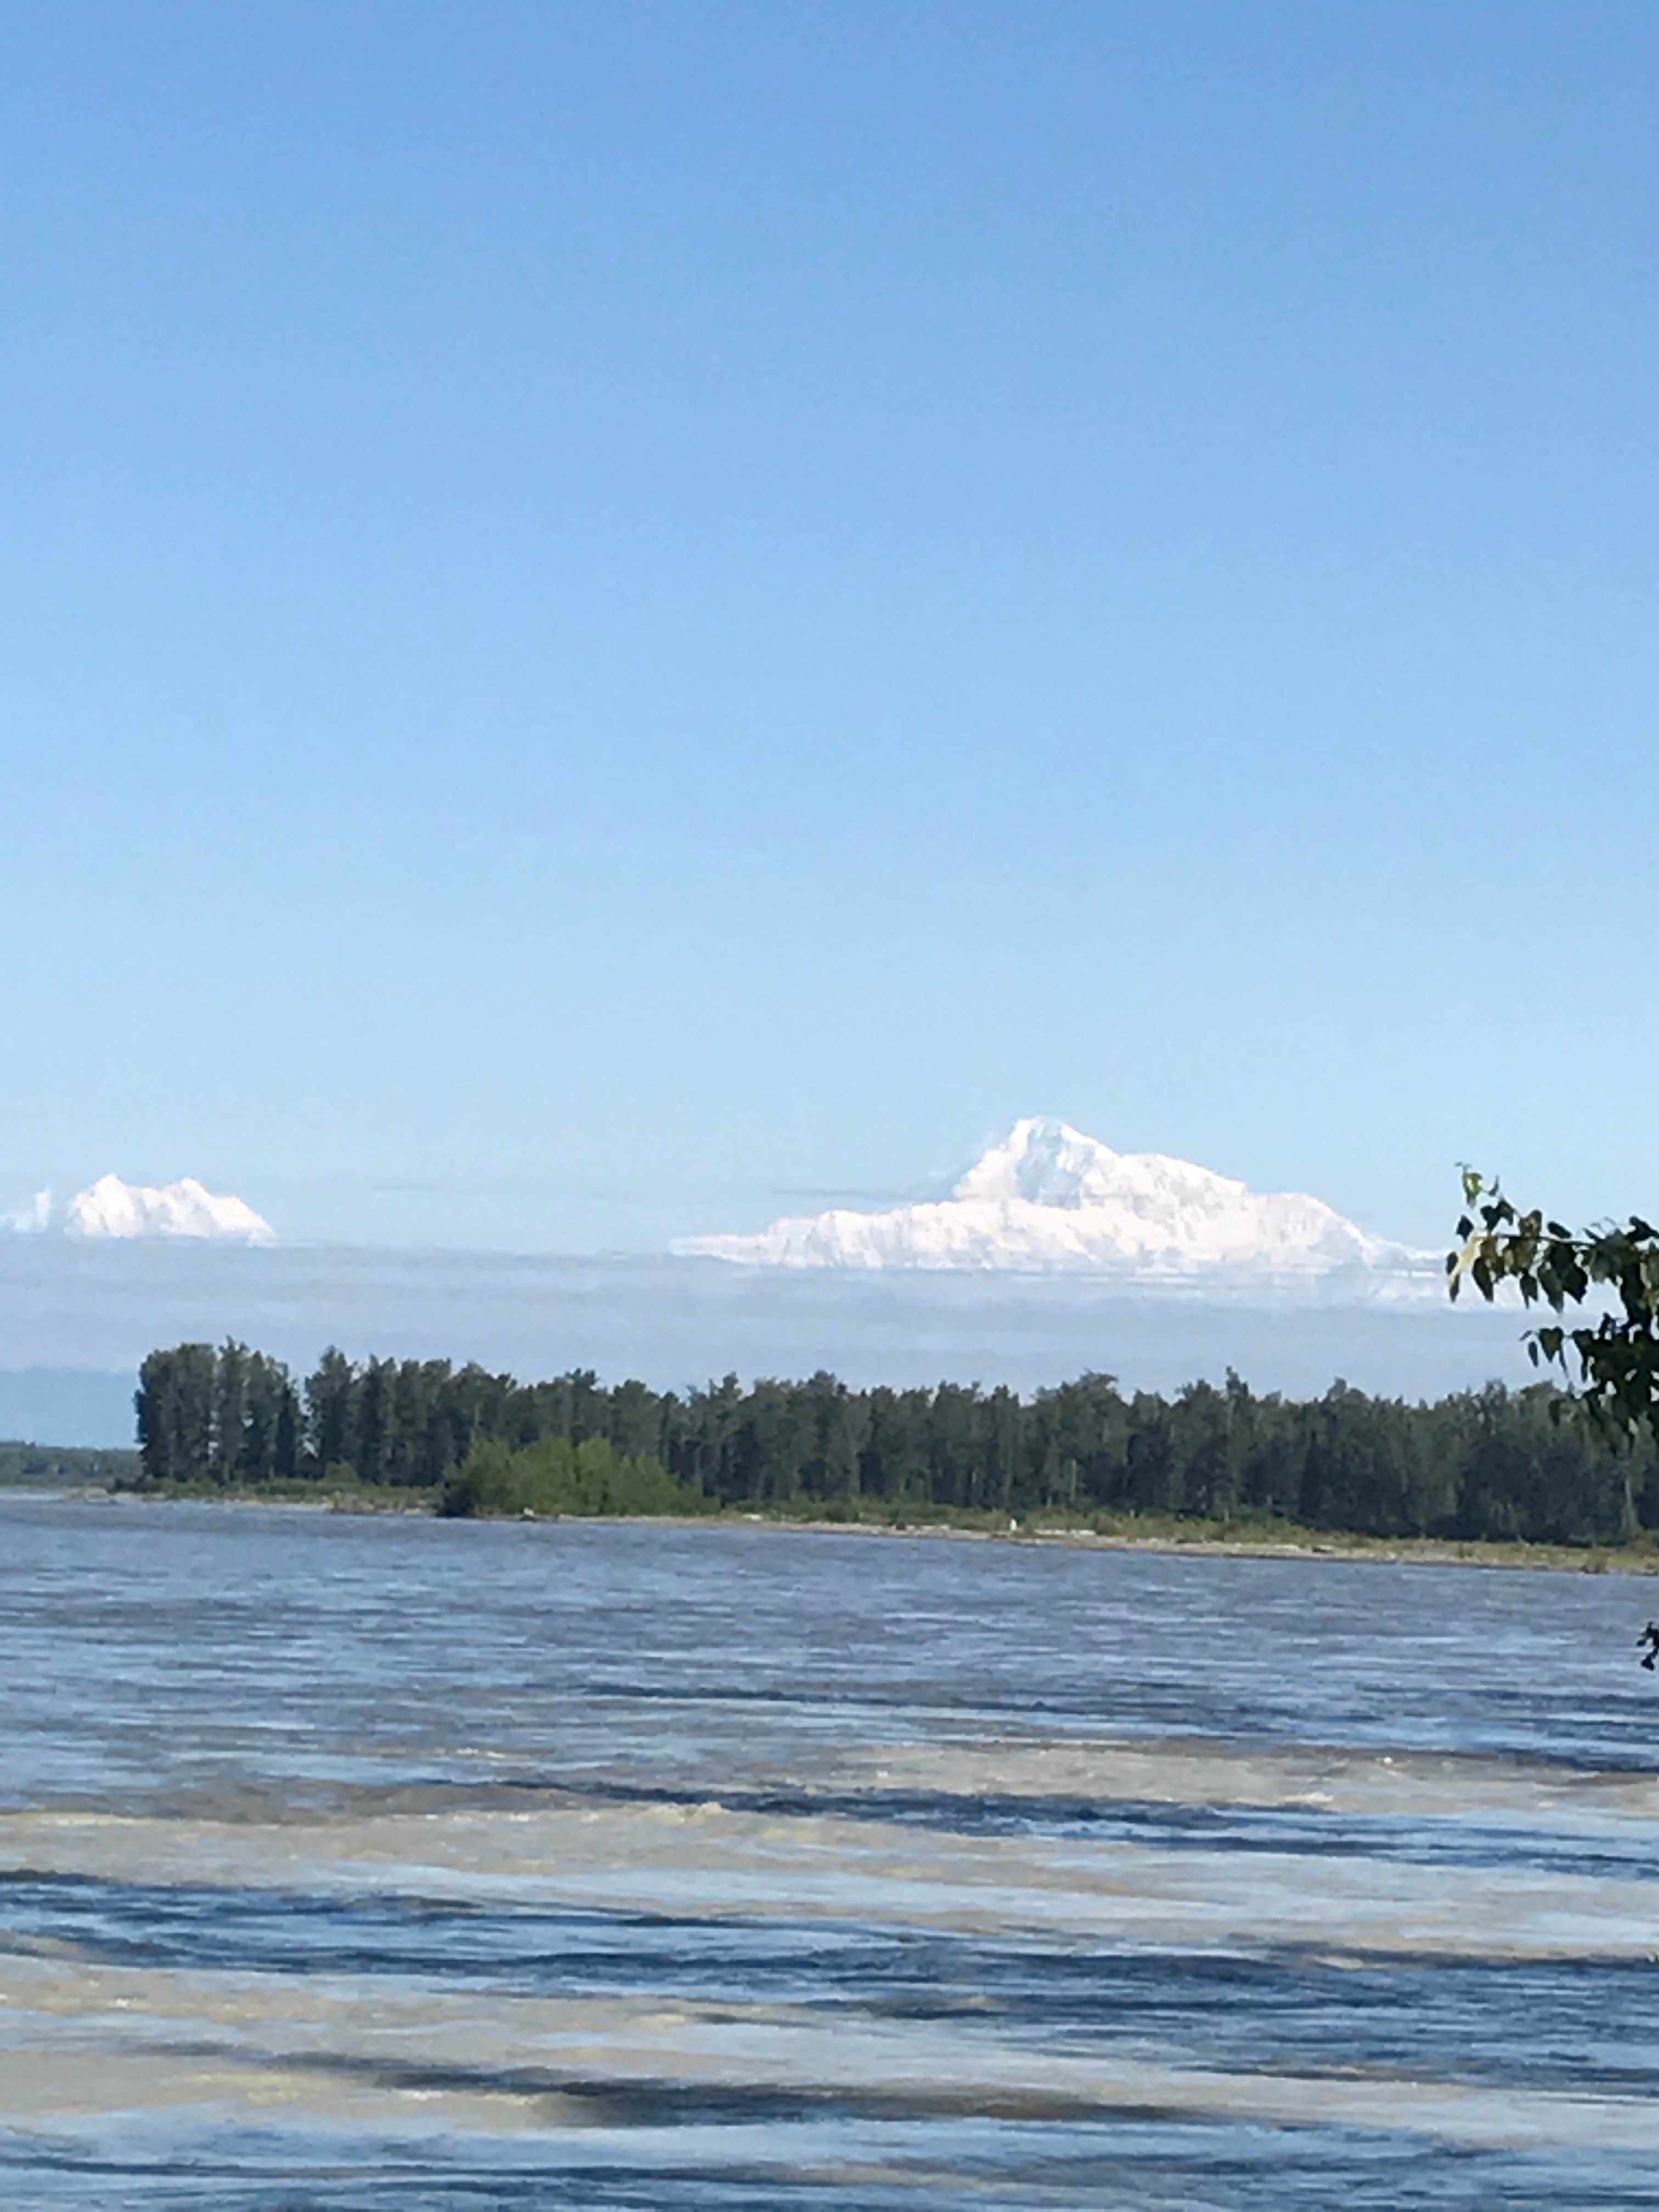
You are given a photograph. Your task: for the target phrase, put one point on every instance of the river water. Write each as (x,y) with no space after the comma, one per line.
(405,1864)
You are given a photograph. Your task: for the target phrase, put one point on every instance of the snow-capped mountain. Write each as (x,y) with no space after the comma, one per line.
(1047,1197)
(110,1207)
(30,1219)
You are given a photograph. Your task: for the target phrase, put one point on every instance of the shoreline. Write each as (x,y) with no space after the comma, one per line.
(1214,1541)
(1382,1550)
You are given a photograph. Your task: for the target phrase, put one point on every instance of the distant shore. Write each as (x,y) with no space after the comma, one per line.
(1422,1551)
(1168,1535)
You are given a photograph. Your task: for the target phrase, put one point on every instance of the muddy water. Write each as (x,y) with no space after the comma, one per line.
(405,1864)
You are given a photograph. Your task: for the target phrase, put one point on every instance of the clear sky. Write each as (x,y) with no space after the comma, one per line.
(617,615)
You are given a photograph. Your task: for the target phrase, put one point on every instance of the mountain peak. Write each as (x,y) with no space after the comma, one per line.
(1044,1162)
(1049,1197)
(110,1207)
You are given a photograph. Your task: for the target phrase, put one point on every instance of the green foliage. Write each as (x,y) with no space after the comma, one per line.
(227,1417)
(1491,1464)
(555,1476)
(28,1465)
(1617,1356)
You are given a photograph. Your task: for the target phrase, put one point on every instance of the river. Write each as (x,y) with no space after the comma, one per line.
(395,1862)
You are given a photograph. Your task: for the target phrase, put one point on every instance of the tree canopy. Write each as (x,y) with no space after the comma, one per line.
(1616,1354)
(1487,1464)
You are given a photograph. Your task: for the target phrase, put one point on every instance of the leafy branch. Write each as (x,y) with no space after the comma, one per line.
(1618,1357)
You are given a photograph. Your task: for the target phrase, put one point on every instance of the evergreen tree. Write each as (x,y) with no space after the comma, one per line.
(1494,1463)
(329,1425)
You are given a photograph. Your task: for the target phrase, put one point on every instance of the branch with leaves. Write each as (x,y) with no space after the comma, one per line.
(1617,1356)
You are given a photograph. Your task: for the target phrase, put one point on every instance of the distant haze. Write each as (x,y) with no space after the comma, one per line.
(99,1308)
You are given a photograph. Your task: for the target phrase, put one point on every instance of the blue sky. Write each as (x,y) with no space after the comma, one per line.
(615,615)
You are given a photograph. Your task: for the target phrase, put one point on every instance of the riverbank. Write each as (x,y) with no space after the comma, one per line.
(1155,1532)
(1293,1544)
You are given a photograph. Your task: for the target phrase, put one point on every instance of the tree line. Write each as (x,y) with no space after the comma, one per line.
(1488,1463)
(24,1464)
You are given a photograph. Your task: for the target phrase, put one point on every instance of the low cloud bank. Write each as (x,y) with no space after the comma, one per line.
(101,1306)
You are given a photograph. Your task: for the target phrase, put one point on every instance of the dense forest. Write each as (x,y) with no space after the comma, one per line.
(1490,1463)
(32,1466)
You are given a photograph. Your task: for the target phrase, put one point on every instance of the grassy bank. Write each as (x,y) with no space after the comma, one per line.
(332,1495)
(1241,1537)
